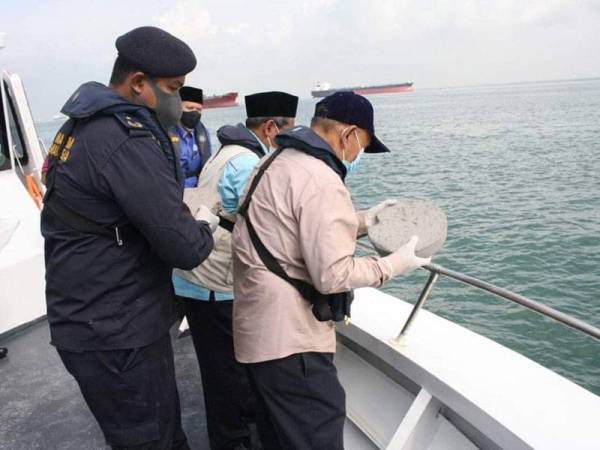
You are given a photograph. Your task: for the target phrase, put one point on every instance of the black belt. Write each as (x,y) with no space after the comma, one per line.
(84,224)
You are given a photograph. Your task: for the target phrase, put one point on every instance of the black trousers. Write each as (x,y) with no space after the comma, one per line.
(304,402)
(132,394)
(229,401)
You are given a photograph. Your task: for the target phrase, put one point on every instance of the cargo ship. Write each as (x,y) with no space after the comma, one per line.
(220,101)
(324,89)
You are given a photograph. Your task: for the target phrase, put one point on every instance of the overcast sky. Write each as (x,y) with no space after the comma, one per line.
(251,46)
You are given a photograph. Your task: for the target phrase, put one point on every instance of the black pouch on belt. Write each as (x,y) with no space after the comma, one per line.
(334,307)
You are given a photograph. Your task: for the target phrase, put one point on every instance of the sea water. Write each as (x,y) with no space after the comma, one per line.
(516,168)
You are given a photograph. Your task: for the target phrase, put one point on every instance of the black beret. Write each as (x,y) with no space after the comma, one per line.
(191,94)
(156,52)
(271,104)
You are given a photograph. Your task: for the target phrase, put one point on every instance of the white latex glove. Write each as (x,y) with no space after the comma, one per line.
(371,213)
(205,215)
(404,259)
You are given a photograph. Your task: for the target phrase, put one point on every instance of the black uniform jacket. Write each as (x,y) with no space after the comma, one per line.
(118,168)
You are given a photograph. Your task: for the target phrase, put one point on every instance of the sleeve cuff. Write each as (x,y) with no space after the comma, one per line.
(362,223)
(386,270)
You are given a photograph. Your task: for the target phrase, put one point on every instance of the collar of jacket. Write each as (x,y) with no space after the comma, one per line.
(93,99)
(242,136)
(306,140)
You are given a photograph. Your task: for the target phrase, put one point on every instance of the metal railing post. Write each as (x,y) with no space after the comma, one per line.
(433,276)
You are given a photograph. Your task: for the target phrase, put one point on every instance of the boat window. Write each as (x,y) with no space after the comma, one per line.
(15,131)
(4,158)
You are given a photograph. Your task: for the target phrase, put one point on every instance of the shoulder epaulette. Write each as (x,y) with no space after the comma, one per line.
(132,124)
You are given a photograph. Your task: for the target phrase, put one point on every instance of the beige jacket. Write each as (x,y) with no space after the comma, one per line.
(304,215)
(215,272)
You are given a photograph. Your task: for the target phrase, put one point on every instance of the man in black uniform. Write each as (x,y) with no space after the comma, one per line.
(115,226)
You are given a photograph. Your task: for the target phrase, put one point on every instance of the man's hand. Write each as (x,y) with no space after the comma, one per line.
(371,213)
(204,214)
(368,217)
(404,259)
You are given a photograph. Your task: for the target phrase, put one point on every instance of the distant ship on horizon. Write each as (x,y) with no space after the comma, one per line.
(220,101)
(323,89)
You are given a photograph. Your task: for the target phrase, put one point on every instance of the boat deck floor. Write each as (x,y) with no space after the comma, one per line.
(41,406)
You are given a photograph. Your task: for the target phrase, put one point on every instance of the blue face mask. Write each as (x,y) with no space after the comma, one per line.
(351,166)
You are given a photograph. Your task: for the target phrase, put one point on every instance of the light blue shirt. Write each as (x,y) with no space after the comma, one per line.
(234,179)
(235,176)
(188,289)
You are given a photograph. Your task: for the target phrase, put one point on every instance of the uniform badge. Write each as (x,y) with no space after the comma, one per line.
(133,123)
(58,140)
(64,155)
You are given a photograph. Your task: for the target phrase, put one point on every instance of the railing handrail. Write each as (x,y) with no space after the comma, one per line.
(436,270)
(526,302)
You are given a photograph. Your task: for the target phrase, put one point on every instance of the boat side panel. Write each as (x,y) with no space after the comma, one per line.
(374,402)
(447,437)
(22,279)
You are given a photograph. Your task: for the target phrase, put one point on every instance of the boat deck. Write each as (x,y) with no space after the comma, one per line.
(42,407)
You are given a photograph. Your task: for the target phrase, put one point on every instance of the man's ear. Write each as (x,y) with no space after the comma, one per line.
(136,81)
(272,127)
(347,132)
(266,128)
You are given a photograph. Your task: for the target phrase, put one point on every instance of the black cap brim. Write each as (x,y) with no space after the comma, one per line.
(376,146)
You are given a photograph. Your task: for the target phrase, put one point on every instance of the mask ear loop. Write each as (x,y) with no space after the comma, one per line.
(269,139)
(343,146)
(357,140)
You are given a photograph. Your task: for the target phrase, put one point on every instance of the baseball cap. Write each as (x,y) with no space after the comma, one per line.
(353,109)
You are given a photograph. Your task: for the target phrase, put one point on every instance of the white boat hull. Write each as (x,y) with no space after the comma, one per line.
(446,387)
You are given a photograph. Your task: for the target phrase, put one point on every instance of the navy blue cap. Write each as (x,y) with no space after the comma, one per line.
(156,52)
(191,94)
(271,104)
(353,109)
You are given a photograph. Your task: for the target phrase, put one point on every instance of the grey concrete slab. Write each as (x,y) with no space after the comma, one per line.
(397,224)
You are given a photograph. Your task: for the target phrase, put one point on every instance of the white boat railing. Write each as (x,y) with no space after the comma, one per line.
(437,270)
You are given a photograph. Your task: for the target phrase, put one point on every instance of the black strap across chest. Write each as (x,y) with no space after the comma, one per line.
(325,306)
